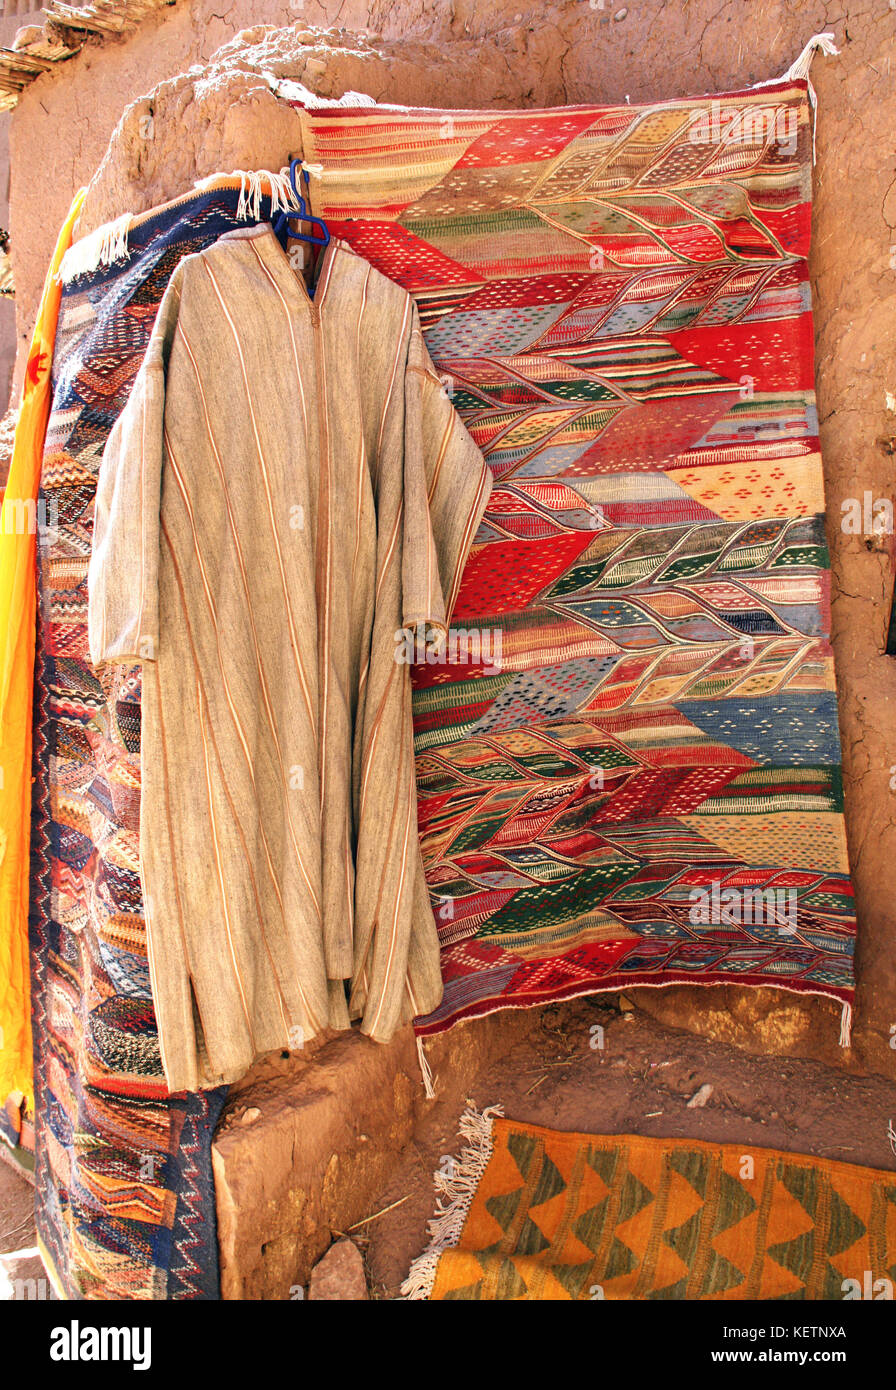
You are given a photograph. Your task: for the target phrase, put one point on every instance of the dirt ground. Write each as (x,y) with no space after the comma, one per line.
(16,1211)
(640,1082)
(18,1253)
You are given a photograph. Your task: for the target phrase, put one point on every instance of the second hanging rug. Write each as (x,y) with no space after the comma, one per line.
(629,769)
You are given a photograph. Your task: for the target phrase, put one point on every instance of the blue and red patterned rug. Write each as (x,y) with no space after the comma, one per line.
(125,1198)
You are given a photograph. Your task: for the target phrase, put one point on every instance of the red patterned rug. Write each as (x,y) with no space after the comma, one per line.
(629,766)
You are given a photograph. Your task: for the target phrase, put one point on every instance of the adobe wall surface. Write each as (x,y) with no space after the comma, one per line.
(506,54)
(14,16)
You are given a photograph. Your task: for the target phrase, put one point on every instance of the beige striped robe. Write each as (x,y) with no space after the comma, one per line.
(286,489)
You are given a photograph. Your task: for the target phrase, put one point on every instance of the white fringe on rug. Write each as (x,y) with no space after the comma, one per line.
(100,247)
(252,190)
(800,68)
(846,1025)
(425,1071)
(456,1189)
(109,243)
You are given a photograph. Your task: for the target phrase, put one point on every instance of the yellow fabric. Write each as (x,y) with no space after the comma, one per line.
(18,607)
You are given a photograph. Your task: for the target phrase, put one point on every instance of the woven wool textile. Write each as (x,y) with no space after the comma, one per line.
(125,1200)
(18,603)
(629,772)
(578,1216)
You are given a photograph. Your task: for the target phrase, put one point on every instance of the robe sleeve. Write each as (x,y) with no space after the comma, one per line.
(123,574)
(446,488)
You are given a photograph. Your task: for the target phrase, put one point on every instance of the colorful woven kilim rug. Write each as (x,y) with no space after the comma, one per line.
(629,766)
(529,1213)
(125,1199)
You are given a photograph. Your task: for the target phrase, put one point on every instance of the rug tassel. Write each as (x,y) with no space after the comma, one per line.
(456,1187)
(254,183)
(891,1135)
(426,1070)
(249,204)
(846,1025)
(800,68)
(102,246)
(109,243)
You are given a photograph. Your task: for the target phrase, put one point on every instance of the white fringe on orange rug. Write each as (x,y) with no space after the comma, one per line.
(456,1189)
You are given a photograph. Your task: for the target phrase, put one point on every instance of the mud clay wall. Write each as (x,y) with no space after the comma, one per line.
(216,115)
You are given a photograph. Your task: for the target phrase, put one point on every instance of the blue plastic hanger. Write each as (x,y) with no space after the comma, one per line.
(283,219)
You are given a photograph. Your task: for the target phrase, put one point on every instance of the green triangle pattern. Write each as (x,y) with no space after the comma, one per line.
(572,1277)
(684,1238)
(510,1284)
(620,1260)
(845,1227)
(721,1275)
(802,1183)
(549,1183)
(635,1197)
(531,1240)
(677,1290)
(795,1255)
(504,1206)
(735,1202)
(522,1150)
(604,1162)
(693,1167)
(589,1227)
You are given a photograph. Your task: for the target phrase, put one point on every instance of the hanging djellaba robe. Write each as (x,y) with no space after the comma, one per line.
(287,492)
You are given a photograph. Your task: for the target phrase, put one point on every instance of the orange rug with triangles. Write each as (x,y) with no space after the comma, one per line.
(529,1213)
